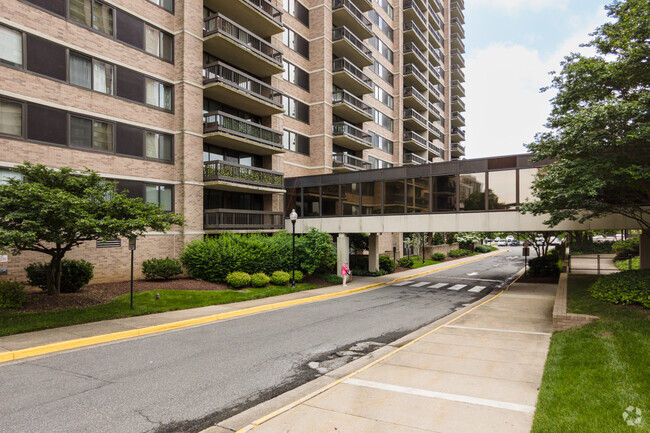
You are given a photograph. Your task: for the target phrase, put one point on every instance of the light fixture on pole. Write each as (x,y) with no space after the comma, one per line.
(293,216)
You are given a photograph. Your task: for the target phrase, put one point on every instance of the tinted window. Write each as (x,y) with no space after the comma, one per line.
(130,30)
(128,140)
(46,124)
(54,6)
(130,84)
(45,57)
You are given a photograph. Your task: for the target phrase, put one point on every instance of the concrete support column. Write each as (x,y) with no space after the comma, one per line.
(373,248)
(342,251)
(644,250)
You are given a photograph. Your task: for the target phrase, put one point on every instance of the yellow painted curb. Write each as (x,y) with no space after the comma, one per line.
(122,335)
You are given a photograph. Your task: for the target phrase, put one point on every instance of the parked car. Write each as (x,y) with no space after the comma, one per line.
(502,243)
(497,240)
(514,243)
(509,239)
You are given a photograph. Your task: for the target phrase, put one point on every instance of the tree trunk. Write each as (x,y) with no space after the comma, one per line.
(54,276)
(644,250)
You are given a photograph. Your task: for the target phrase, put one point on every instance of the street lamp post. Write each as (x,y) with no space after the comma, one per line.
(293,216)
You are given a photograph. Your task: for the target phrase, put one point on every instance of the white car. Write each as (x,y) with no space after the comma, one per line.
(502,243)
(509,240)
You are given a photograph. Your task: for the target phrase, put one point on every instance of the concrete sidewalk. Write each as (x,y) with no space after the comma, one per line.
(476,371)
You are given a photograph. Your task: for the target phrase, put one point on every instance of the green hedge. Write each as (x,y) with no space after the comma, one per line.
(459,253)
(483,249)
(74,275)
(280,278)
(12,294)
(386,264)
(259,280)
(625,249)
(238,280)
(438,257)
(405,262)
(625,288)
(590,247)
(161,268)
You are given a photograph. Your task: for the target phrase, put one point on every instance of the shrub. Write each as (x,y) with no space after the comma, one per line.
(625,288)
(317,251)
(358,262)
(438,239)
(238,280)
(460,252)
(330,278)
(12,294)
(161,268)
(405,262)
(482,249)
(590,247)
(74,275)
(626,248)
(544,266)
(386,264)
(259,280)
(381,272)
(299,276)
(280,278)
(438,257)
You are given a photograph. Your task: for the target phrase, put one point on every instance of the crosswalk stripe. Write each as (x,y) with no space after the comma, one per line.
(420,284)
(457,287)
(403,283)
(476,289)
(439,285)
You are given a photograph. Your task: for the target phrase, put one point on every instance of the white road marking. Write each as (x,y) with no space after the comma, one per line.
(442,395)
(439,285)
(476,289)
(478,279)
(498,330)
(457,287)
(473,273)
(421,284)
(403,283)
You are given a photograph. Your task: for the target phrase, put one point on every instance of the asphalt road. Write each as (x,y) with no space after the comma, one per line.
(189,379)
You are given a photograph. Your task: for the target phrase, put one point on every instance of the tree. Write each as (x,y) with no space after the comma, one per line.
(359,242)
(316,251)
(52,211)
(599,127)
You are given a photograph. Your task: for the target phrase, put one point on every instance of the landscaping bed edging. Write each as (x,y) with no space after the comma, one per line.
(561,319)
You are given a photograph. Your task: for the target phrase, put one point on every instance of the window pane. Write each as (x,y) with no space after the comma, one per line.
(418,195)
(152,40)
(330,200)
(526,178)
(103,77)
(102,18)
(394,196)
(80,11)
(81,131)
(102,136)
(151,145)
(444,193)
(11,46)
(311,205)
(152,94)
(371,198)
(166,96)
(167,42)
(472,191)
(5,175)
(165,147)
(80,70)
(166,198)
(503,189)
(167,4)
(11,118)
(151,194)
(350,198)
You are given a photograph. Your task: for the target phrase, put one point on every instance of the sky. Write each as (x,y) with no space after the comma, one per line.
(511,47)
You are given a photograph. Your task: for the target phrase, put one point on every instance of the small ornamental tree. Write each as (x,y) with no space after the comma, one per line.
(52,211)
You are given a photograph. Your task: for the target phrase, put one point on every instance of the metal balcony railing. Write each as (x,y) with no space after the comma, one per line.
(436,20)
(436,131)
(235,219)
(340,33)
(434,109)
(343,96)
(456,10)
(436,150)
(412,158)
(438,5)
(457,115)
(456,53)
(412,114)
(218,24)
(219,121)
(411,26)
(457,27)
(415,137)
(436,53)
(343,64)
(410,4)
(222,73)
(412,69)
(412,91)
(458,70)
(346,160)
(457,147)
(459,85)
(410,47)
(433,89)
(231,172)
(436,34)
(456,100)
(459,132)
(267,9)
(345,128)
(456,39)
(435,70)
(354,10)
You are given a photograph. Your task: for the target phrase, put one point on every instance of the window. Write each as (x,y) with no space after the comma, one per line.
(160,195)
(158,146)
(384,97)
(297,10)
(382,48)
(6,174)
(386,7)
(382,143)
(296,109)
(296,42)
(158,94)
(91,134)
(91,74)
(11,118)
(383,25)
(295,75)
(295,142)
(383,72)
(379,163)
(383,120)
(11,46)
(92,13)
(165,4)
(159,43)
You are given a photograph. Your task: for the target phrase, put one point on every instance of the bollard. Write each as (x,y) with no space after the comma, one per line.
(598,263)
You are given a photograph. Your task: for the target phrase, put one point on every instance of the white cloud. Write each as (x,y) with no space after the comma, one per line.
(514,5)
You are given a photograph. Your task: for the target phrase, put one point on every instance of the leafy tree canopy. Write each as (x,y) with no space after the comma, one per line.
(52,211)
(599,126)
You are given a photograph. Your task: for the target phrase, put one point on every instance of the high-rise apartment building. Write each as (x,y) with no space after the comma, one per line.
(204,107)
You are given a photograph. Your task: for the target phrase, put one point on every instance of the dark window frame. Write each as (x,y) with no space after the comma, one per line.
(23,119)
(172,11)
(23,38)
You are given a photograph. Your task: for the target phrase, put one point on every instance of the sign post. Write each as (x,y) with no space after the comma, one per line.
(132,249)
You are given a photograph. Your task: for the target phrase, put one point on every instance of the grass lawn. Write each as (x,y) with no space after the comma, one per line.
(417,262)
(595,372)
(143,303)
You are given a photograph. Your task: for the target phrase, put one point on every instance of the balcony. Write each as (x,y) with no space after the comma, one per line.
(414,99)
(457,27)
(412,54)
(349,77)
(349,136)
(233,132)
(457,150)
(260,15)
(434,132)
(457,134)
(457,43)
(436,150)
(457,103)
(346,14)
(349,107)
(457,88)
(412,33)
(414,141)
(346,44)
(228,176)
(436,5)
(457,73)
(242,220)
(413,77)
(412,12)
(434,94)
(436,21)
(414,120)
(457,119)
(363,5)
(435,73)
(434,37)
(434,112)
(435,56)
(457,57)
(346,162)
(235,45)
(224,83)
(457,12)
(413,159)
